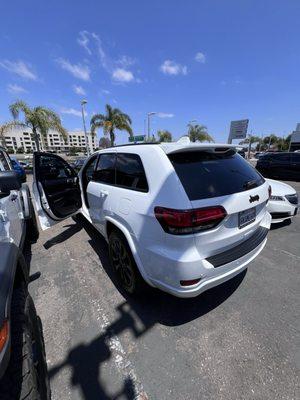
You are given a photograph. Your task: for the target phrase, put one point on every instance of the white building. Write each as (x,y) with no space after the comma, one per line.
(21,138)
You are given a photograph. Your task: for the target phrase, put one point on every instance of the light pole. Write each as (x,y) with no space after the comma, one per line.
(83,103)
(149,115)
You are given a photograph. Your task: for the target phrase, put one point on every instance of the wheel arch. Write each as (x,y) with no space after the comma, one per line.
(26,201)
(111,225)
(13,274)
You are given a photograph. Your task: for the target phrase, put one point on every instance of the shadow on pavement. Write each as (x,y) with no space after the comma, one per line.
(279,225)
(137,316)
(66,234)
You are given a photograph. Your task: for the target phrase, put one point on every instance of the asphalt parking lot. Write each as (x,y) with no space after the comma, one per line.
(237,341)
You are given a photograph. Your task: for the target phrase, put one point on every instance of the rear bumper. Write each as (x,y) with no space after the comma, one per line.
(281,210)
(165,271)
(226,272)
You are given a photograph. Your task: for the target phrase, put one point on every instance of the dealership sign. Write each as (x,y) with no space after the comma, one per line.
(138,138)
(238,129)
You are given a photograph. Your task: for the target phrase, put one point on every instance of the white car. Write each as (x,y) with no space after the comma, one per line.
(283,203)
(184,217)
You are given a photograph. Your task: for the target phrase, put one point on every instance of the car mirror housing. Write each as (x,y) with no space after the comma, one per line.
(9,180)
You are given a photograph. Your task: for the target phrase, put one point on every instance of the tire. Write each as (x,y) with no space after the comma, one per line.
(32,225)
(122,261)
(26,374)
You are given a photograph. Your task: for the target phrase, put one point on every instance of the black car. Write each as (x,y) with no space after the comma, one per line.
(284,165)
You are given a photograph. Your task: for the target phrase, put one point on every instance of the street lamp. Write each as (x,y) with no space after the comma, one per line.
(83,103)
(149,115)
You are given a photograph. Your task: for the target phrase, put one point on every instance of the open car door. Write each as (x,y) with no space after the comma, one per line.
(56,189)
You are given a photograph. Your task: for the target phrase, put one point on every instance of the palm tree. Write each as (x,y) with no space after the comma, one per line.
(104,142)
(198,133)
(39,119)
(164,136)
(112,120)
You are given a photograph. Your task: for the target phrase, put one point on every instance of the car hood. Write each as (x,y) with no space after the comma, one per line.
(280,188)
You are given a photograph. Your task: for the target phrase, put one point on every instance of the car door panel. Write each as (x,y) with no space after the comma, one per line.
(100,189)
(11,216)
(295,167)
(56,189)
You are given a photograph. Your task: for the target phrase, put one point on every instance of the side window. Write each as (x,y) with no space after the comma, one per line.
(4,166)
(296,158)
(130,172)
(281,157)
(51,167)
(105,170)
(89,169)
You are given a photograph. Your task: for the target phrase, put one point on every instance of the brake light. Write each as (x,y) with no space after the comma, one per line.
(3,334)
(180,222)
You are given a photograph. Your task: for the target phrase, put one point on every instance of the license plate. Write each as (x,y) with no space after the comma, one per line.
(246,217)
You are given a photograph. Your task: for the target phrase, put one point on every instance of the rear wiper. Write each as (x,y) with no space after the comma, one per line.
(250,184)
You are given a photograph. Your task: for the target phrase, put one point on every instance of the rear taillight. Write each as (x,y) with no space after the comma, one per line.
(3,334)
(181,222)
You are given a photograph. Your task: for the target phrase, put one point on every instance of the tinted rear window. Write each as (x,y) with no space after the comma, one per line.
(130,172)
(105,171)
(205,174)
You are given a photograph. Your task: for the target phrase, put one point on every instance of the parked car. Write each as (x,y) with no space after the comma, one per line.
(242,153)
(258,154)
(162,225)
(284,165)
(23,371)
(77,164)
(283,203)
(19,169)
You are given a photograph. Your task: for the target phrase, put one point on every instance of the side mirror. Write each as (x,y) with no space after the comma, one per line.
(9,180)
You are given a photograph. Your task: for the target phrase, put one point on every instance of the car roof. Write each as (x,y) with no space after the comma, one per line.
(171,147)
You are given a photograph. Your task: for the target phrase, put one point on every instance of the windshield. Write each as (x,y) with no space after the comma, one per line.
(205,174)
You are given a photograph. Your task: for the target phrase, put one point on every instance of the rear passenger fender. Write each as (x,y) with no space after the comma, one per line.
(26,201)
(112,223)
(13,273)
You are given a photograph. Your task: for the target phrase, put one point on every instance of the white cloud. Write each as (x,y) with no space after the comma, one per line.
(24,70)
(165,115)
(79,90)
(84,41)
(200,58)
(15,89)
(105,91)
(122,75)
(79,71)
(170,67)
(117,69)
(126,61)
(72,111)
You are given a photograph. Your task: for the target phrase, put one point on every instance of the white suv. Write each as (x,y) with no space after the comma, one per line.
(183,216)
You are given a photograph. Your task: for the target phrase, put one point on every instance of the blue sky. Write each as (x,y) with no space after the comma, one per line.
(213,60)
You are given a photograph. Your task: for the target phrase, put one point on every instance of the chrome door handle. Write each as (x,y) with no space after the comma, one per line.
(104,192)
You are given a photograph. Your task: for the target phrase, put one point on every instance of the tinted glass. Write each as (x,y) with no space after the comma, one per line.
(130,172)
(89,168)
(296,158)
(105,171)
(205,174)
(51,167)
(281,157)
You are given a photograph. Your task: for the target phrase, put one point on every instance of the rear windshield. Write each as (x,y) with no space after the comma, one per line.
(206,174)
